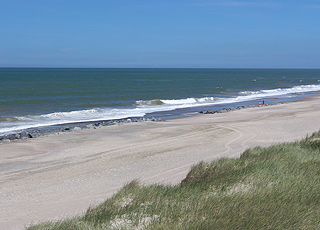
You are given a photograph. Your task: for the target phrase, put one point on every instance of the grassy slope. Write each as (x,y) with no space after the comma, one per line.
(267,188)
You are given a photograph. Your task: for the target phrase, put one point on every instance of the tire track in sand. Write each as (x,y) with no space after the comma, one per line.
(229,152)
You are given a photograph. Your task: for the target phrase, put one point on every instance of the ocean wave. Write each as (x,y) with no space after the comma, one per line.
(72,114)
(141,108)
(10,119)
(283,91)
(58,118)
(150,102)
(242,96)
(177,101)
(249,92)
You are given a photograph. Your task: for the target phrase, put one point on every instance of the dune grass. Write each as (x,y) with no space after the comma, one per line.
(266,188)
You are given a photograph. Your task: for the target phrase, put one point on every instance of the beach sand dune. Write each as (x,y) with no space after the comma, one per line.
(61,175)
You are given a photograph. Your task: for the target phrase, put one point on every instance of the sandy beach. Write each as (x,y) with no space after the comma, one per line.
(61,175)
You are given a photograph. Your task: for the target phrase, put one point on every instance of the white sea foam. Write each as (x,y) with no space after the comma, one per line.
(243,96)
(22,123)
(141,108)
(249,92)
(283,91)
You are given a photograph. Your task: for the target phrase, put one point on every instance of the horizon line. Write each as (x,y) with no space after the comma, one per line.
(293,68)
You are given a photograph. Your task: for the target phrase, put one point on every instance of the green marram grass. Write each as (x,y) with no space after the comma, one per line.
(266,188)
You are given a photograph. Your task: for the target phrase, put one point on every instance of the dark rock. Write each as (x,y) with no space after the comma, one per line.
(23,135)
(89,126)
(76,128)
(241,107)
(222,110)
(36,133)
(11,137)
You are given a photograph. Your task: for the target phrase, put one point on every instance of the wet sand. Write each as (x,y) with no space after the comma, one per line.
(61,175)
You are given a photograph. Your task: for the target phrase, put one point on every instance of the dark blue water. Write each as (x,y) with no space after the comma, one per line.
(37,97)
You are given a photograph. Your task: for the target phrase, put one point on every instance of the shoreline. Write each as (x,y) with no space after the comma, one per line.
(45,130)
(82,168)
(156,116)
(76,126)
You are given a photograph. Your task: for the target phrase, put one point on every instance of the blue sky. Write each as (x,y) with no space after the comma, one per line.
(163,33)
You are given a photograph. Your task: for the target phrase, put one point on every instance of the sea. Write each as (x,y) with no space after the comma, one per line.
(40,97)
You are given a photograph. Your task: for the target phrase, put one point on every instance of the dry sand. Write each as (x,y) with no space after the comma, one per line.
(62,175)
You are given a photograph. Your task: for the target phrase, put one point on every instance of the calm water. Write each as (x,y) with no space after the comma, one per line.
(38,97)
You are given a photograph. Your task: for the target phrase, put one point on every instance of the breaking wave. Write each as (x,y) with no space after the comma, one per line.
(141,108)
(10,119)
(177,101)
(21,123)
(243,96)
(283,91)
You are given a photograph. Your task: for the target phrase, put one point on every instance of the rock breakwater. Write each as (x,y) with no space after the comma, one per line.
(56,129)
(225,110)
